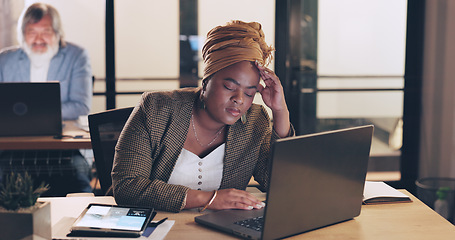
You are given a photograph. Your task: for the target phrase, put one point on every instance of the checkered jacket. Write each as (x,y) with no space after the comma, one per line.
(153,138)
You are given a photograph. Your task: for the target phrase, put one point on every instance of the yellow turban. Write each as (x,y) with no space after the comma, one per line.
(235,42)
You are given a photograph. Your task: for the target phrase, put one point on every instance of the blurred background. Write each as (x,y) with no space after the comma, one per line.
(342,63)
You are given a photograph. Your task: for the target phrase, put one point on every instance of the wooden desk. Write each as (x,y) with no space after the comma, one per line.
(388,221)
(70,129)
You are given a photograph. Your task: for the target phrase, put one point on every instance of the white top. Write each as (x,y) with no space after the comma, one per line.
(39,62)
(199,173)
(39,73)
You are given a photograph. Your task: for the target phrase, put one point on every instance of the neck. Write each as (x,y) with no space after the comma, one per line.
(206,121)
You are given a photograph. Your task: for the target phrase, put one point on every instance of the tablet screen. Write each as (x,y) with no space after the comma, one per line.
(103,217)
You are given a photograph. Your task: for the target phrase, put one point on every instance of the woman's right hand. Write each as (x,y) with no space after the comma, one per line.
(235,199)
(225,199)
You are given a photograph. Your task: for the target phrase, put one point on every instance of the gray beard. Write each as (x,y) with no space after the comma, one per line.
(39,59)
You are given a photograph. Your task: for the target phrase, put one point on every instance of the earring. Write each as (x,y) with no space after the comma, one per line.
(201,103)
(243,118)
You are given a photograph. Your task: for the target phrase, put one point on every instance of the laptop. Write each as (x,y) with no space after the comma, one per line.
(316,180)
(30,109)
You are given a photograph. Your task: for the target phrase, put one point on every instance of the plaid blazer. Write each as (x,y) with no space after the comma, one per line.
(153,138)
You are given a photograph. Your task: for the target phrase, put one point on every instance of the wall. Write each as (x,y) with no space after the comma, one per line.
(146,31)
(83,24)
(210,15)
(359,43)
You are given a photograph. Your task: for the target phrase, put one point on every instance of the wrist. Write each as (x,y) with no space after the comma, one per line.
(197,198)
(281,122)
(279,113)
(210,201)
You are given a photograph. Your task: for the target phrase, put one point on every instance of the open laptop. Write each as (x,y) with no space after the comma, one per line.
(316,180)
(30,109)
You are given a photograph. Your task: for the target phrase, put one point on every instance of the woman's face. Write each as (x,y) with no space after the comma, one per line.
(230,92)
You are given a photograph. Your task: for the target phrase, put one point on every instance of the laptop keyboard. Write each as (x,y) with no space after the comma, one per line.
(253,223)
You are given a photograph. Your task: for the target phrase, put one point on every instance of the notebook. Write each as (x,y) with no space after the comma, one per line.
(30,109)
(316,180)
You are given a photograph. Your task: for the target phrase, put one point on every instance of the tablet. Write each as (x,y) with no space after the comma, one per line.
(112,221)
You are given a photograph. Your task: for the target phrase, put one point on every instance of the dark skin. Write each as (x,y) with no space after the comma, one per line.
(228,94)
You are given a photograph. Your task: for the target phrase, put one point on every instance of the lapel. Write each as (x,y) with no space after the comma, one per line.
(54,66)
(235,138)
(23,68)
(175,144)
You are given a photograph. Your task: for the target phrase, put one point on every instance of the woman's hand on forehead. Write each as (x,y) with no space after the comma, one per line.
(272,93)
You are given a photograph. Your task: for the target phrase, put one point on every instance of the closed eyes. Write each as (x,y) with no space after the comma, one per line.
(250,95)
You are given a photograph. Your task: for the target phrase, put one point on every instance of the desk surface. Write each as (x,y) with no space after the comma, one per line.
(388,221)
(70,131)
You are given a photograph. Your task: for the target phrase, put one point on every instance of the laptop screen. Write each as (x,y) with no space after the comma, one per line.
(30,109)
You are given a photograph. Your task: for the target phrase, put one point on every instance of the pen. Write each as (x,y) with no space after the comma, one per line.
(155,224)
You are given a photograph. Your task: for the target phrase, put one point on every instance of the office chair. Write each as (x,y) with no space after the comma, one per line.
(105,128)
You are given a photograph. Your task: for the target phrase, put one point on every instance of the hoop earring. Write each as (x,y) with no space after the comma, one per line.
(243,118)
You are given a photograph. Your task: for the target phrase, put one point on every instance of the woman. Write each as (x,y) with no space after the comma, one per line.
(199,147)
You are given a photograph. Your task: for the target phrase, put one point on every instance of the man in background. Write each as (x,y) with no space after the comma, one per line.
(44,55)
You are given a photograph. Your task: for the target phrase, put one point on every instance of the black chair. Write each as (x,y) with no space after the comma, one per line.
(105,128)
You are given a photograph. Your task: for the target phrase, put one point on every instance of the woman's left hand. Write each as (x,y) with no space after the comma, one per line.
(273,96)
(272,93)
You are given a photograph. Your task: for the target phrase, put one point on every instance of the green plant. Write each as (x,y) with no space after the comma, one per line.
(17,191)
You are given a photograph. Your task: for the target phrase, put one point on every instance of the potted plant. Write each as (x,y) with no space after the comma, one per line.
(21,216)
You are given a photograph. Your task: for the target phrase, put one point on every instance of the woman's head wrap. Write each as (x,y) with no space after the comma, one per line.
(235,42)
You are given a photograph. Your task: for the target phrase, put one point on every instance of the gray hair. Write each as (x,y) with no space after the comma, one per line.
(34,14)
